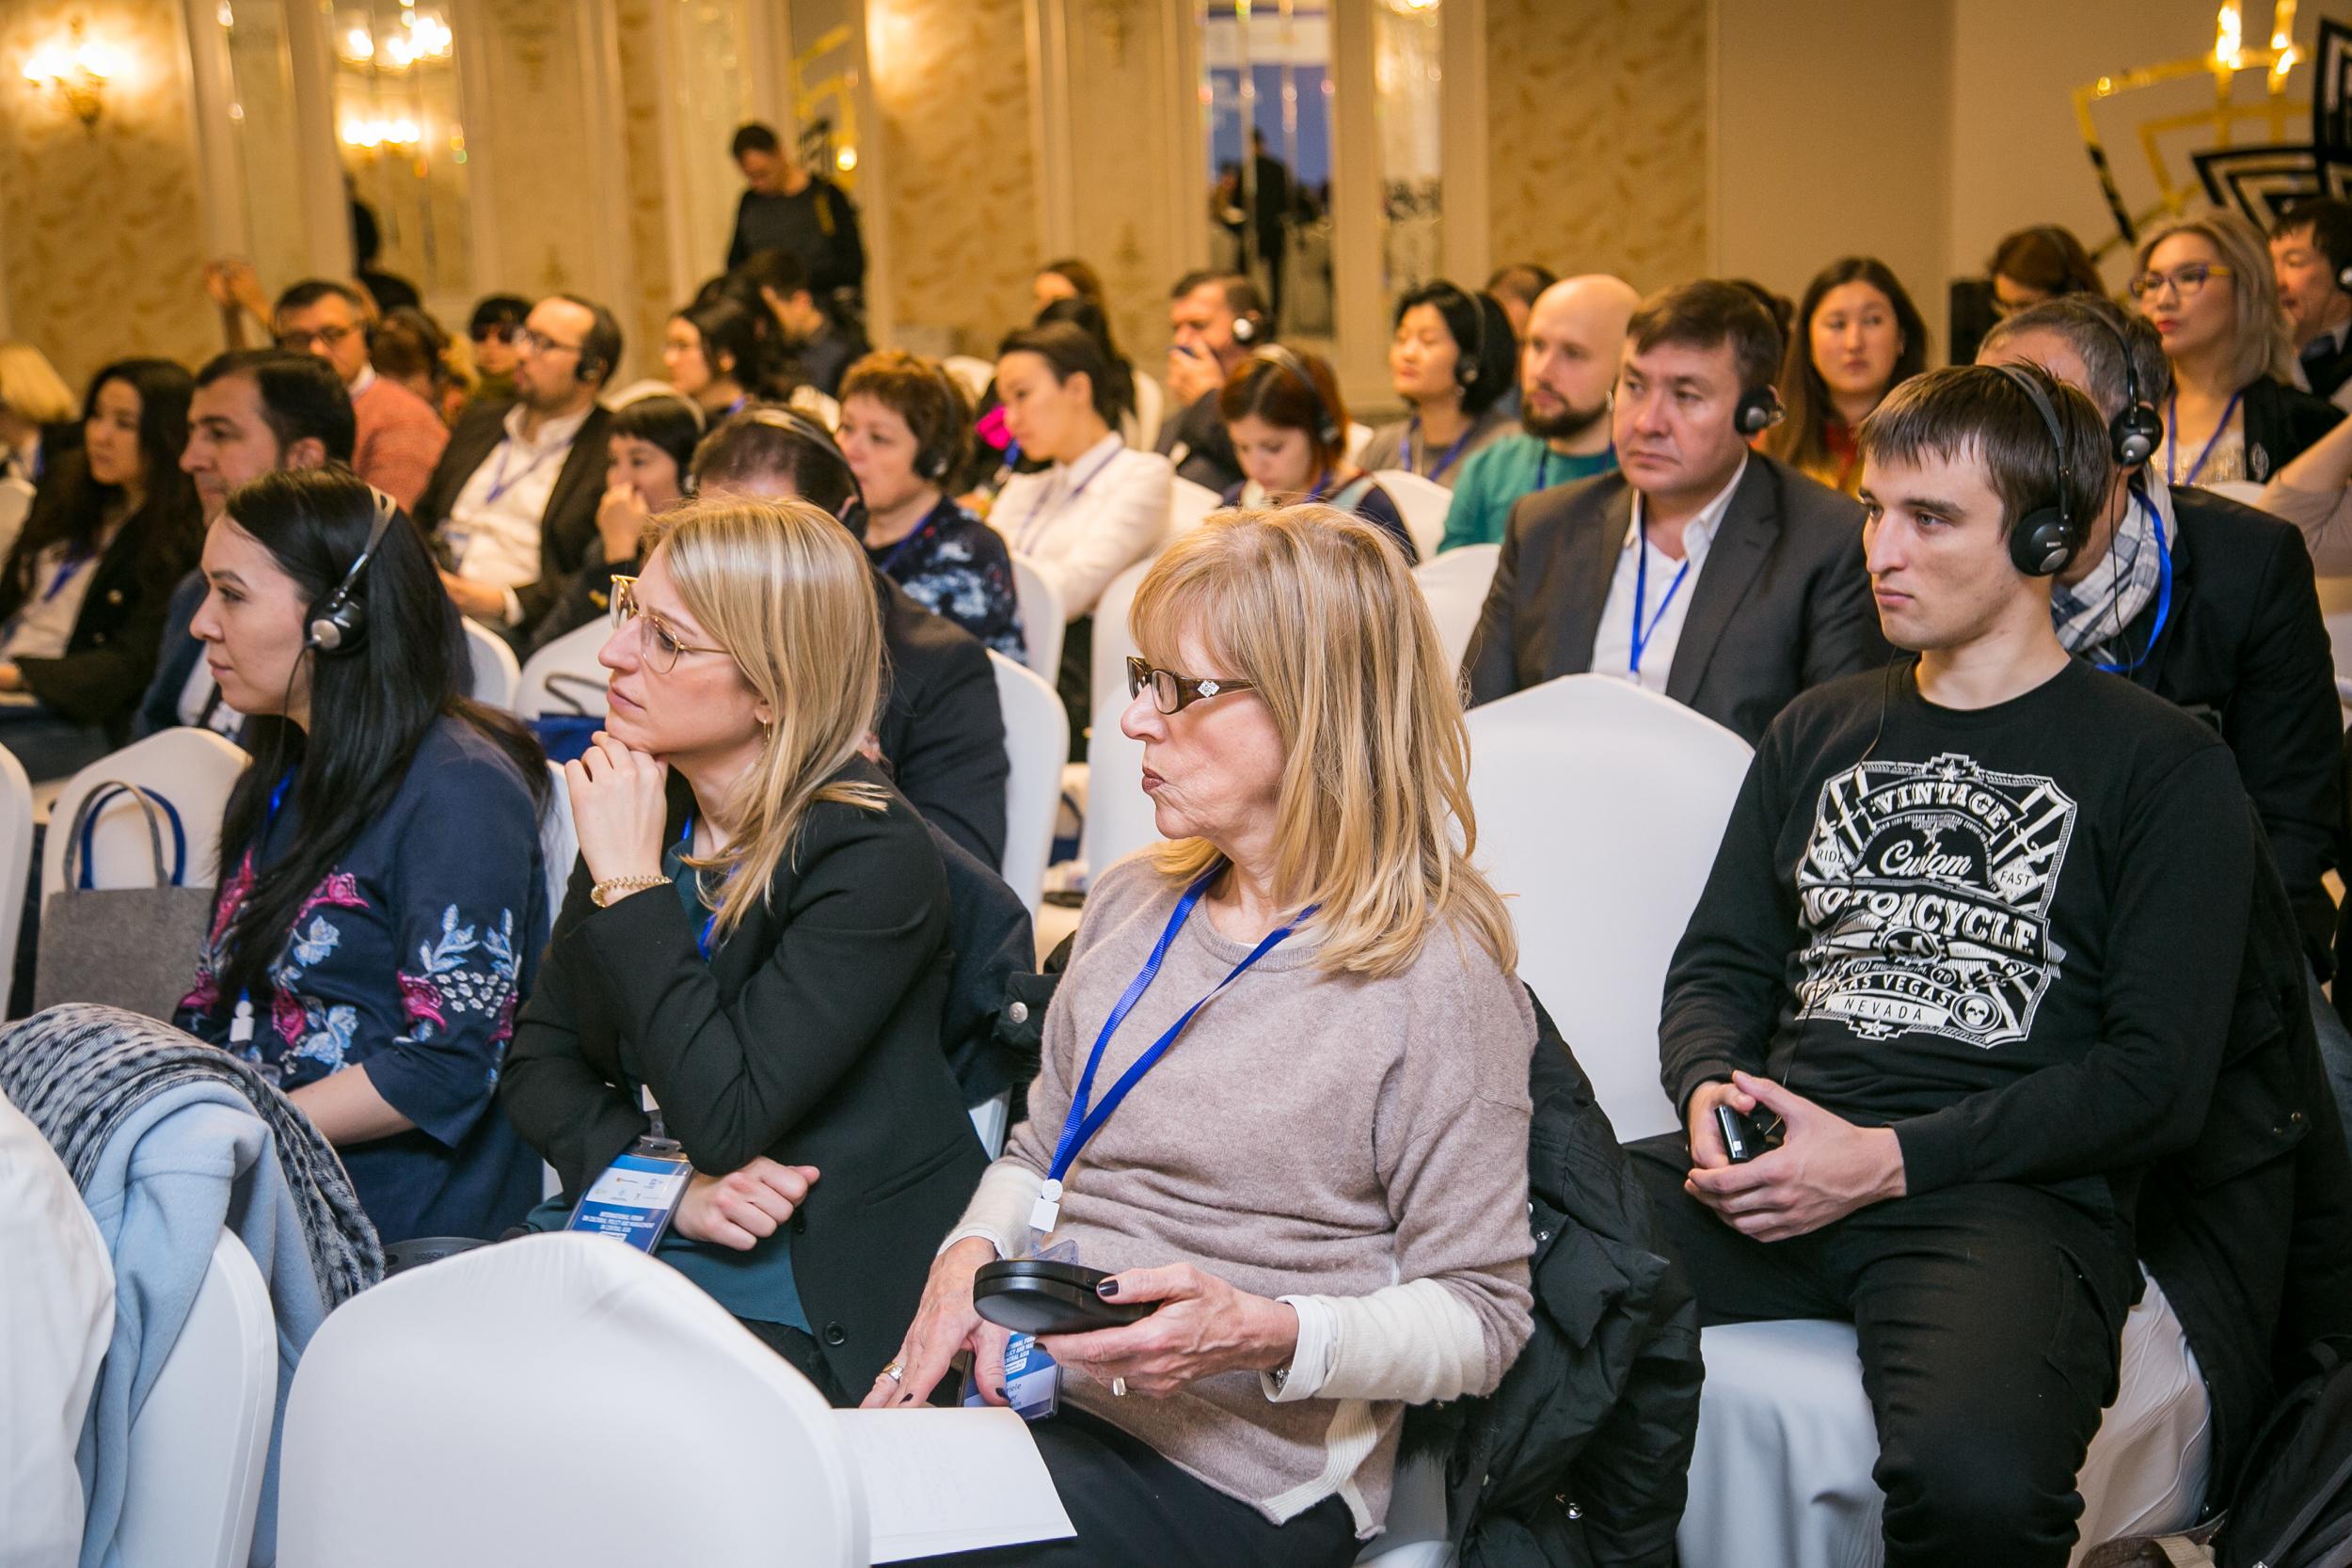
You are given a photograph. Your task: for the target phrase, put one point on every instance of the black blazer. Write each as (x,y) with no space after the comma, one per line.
(110,658)
(1782,604)
(566,528)
(2244,648)
(2280,421)
(811,1036)
(941,730)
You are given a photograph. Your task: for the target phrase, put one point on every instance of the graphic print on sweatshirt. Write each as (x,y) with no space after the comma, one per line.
(1926,888)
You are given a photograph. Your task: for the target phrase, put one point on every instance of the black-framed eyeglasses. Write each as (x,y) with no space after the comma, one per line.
(299,342)
(662,647)
(1170,691)
(532,342)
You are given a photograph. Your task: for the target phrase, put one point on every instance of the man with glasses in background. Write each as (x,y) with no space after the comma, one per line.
(400,436)
(512,507)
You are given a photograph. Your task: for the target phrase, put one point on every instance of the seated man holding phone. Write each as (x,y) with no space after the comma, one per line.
(1962,971)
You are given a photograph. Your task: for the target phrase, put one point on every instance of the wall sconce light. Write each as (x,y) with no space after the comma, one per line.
(79,69)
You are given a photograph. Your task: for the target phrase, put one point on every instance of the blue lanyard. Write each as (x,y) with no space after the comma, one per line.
(500,484)
(1641,592)
(1413,435)
(1064,504)
(2164,592)
(711,921)
(897,553)
(241,1021)
(2172,437)
(1085,1118)
(73,562)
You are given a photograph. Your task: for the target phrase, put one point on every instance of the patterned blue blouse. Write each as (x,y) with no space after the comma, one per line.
(411,956)
(954,565)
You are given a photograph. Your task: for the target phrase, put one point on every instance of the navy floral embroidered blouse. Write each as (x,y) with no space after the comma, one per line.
(411,956)
(954,565)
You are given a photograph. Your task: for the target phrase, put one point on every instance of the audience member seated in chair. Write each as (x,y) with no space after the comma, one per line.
(86,588)
(255,411)
(1452,359)
(715,353)
(1592,575)
(382,898)
(757,935)
(1289,429)
(399,436)
(1101,508)
(1307,756)
(1214,321)
(2233,414)
(512,505)
(1567,366)
(942,732)
(2208,604)
(649,450)
(906,427)
(1965,963)
(1858,334)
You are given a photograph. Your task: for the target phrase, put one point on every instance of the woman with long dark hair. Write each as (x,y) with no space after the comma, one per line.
(383,900)
(1451,360)
(1858,336)
(715,356)
(87,586)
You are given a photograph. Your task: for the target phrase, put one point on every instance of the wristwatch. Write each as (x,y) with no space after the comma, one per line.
(612,889)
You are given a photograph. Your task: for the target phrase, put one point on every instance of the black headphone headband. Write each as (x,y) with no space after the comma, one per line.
(2043,541)
(1326,426)
(339,620)
(778,416)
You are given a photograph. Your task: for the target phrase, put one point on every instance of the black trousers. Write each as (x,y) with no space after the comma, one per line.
(1136,1510)
(806,1356)
(1990,1318)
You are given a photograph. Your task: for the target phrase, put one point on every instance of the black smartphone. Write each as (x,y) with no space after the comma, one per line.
(1740,1139)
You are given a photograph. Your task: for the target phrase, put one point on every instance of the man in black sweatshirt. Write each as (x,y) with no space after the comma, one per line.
(1965,961)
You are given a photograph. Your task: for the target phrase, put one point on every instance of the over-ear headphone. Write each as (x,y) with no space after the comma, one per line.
(2043,540)
(2137,429)
(1759,409)
(1470,359)
(933,458)
(1326,431)
(340,621)
(1249,326)
(777,416)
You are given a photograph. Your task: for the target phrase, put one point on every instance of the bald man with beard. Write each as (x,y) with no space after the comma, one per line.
(1568,362)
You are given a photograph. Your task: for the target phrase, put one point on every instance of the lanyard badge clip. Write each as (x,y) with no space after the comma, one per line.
(638,1195)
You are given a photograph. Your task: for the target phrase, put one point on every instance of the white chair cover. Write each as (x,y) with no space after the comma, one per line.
(1781,1476)
(972,374)
(1119,814)
(1358,437)
(1456,585)
(192,1478)
(16,846)
(496,671)
(559,840)
(564,677)
(1423,501)
(1113,636)
(818,405)
(1150,408)
(1037,742)
(1188,505)
(558,1402)
(1042,621)
(1600,806)
(194,770)
(1416,1535)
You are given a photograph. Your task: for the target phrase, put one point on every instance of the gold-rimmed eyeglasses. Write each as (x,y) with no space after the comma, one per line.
(663,648)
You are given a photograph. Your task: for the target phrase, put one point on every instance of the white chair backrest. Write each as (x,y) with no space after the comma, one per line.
(564,677)
(1599,808)
(1358,437)
(1041,622)
(496,671)
(197,1446)
(1114,638)
(972,373)
(1187,504)
(496,1384)
(16,847)
(1423,501)
(1037,741)
(1150,408)
(1119,816)
(559,840)
(2340,639)
(815,404)
(1456,585)
(193,770)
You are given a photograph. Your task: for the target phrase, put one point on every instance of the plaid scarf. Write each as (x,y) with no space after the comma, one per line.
(2091,616)
(77,1070)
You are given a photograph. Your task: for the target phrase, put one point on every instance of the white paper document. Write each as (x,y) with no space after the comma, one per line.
(951,1480)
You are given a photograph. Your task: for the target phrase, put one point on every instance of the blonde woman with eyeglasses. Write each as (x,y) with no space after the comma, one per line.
(2206,285)
(756,933)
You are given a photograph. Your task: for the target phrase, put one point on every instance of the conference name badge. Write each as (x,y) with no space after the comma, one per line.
(638,1195)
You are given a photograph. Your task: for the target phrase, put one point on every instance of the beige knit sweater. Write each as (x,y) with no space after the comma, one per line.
(1357,1147)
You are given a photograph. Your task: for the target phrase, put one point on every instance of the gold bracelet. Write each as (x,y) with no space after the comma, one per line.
(604,892)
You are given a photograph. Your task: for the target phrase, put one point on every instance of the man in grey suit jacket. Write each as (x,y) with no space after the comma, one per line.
(1701,570)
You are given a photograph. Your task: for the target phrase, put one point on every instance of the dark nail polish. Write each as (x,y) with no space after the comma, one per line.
(1108,1288)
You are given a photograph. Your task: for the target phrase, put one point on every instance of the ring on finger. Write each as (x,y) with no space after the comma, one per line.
(896,1371)
(1118,1387)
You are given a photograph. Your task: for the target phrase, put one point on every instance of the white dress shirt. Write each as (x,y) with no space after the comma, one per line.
(56,1314)
(493,528)
(1668,592)
(1083,523)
